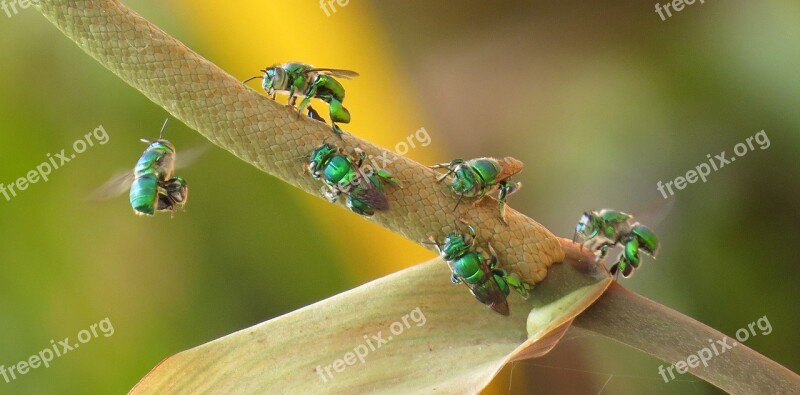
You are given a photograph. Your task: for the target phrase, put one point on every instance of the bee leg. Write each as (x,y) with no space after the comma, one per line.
(493,259)
(447,166)
(303,104)
(330,194)
(472,234)
(432,240)
(631,255)
(313,114)
(615,270)
(603,251)
(451,167)
(338,114)
(386,176)
(506,189)
(522,288)
(479,199)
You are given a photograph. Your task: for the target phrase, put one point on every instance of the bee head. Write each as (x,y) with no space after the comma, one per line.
(274,79)
(318,157)
(160,143)
(587,227)
(464,180)
(455,244)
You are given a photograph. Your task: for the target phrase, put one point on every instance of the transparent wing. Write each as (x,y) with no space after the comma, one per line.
(189,156)
(336,72)
(368,193)
(654,213)
(114,187)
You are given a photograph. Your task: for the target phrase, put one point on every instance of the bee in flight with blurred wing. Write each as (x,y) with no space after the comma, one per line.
(343,174)
(606,228)
(481,176)
(310,82)
(488,284)
(152,183)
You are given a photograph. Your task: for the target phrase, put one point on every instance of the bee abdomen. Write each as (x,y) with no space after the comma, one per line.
(144,190)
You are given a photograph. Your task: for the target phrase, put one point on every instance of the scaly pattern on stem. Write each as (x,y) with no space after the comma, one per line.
(276,139)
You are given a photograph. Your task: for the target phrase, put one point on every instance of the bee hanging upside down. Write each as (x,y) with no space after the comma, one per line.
(487,283)
(481,176)
(309,82)
(606,228)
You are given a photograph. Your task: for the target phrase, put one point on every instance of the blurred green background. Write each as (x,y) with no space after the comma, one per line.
(600,101)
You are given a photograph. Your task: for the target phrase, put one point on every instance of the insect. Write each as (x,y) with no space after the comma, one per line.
(606,228)
(343,174)
(310,82)
(488,283)
(152,184)
(478,177)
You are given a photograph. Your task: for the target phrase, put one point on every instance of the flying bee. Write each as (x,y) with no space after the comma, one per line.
(606,228)
(310,82)
(478,177)
(488,284)
(343,174)
(152,183)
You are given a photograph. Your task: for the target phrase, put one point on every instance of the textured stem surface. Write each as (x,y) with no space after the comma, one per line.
(274,138)
(671,336)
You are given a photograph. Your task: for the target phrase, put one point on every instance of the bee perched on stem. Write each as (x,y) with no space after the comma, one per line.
(310,82)
(488,283)
(343,174)
(478,177)
(606,228)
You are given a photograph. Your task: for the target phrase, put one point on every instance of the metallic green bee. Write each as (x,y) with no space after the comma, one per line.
(310,82)
(343,174)
(153,186)
(488,283)
(478,177)
(600,230)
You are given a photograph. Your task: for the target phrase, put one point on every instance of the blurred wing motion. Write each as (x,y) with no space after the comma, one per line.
(347,74)
(655,212)
(121,182)
(114,187)
(185,158)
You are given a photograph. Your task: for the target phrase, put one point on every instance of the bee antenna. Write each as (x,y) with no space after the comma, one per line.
(250,79)
(164,126)
(458,202)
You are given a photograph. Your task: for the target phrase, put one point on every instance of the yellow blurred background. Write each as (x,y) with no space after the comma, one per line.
(600,101)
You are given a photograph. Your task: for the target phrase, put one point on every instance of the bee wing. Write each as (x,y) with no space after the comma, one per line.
(491,296)
(189,156)
(655,212)
(368,193)
(114,187)
(336,72)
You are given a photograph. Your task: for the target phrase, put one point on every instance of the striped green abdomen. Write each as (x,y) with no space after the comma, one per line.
(144,191)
